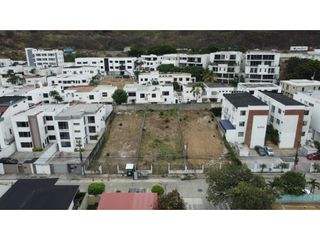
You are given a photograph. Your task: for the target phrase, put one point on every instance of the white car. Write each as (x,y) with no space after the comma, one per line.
(269,151)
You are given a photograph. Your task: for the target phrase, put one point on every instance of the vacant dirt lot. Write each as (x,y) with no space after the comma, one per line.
(200,137)
(118,82)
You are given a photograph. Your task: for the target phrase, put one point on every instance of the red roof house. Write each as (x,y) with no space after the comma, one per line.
(128,201)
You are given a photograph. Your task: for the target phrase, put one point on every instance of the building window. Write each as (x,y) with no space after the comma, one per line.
(29,98)
(50,128)
(26,144)
(104,94)
(49,118)
(153,95)
(22,124)
(24,134)
(306,112)
(273,108)
(142,95)
(45,95)
(92,129)
(271,119)
(303,134)
(242,113)
(75,124)
(93,137)
(65,144)
(52,137)
(63,125)
(279,111)
(240,134)
(165,93)
(64,135)
(91,97)
(241,124)
(91,119)
(278,121)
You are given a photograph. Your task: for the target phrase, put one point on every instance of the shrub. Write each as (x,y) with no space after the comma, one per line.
(96,188)
(37,149)
(157,189)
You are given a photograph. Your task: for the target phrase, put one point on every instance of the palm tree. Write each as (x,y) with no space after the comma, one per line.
(314,184)
(209,76)
(262,166)
(283,165)
(197,89)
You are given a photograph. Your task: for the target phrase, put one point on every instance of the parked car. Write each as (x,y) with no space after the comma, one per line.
(8,161)
(260,150)
(269,151)
(314,156)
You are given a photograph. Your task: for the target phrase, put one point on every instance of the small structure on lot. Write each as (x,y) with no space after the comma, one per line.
(128,201)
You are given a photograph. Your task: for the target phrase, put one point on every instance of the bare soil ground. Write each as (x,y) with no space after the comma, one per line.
(297,206)
(122,142)
(118,82)
(201,137)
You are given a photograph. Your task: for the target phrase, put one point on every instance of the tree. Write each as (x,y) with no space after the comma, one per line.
(171,201)
(157,189)
(197,89)
(209,76)
(14,79)
(196,71)
(120,96)
(135,52)
(96,188)
(168,68)
(262,166)
(298,68)
(314,184)
(316,167)
(176,87)
(162,49)
(247,196)
(272,134)
(290,183)
(56,96)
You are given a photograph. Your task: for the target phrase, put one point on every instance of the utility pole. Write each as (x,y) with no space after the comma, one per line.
(79,145)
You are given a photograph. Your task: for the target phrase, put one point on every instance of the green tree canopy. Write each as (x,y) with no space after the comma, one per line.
(171,201)
(157,189)
(298,68)
(135,52)
(168,68)
(290,183)
(162,49)
(196,71)
(120,96)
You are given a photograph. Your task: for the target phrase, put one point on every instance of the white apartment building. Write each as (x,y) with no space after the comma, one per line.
(149,62)
(9,106)
(165,78)
(11,69)
(5,62)
(90,94)
(84,123)
(34,81)
(121,66)
(299,48)
(313,101)
(291,87)
(172,58)
(290,117)
(79,70)
(262,66)
(213,92)
(201,60)
(69,80)
(150,93)
(42,95)
(244,119)
(44,57)
(92,61)
(35,127)
(252,87)
(37,71)
(226,65)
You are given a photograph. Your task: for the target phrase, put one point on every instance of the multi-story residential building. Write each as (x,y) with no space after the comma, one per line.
(252,87)
(44,57)
(90,94)
(42,95)
(11,70)
(9,106)
(290,117)
(165,78)
(226,65)
(80,123)
(313,101)
(69,80)
(121,66)
(150,93)
(100,63)
(170,59)
(149,62)
(299,48)
(201,60)
(244,119)
(79,70)
(35,127)
(291,87)
(213,92)
(262,66)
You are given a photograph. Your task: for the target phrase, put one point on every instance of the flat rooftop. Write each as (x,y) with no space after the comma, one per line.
(10,100)
(258,85)
(218,85)
(42,108)
(91,88)
(302,82)
(78,110)
(282,99)
(243,100)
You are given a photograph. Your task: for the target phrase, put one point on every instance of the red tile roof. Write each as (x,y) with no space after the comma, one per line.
(2,110)
(128,201)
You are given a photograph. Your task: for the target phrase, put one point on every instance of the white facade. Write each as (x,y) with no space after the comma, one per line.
(226,65)
(90,94)
(69,80)
(5,62)
(42,95)
(252,87)
(84,123)
(121,66)
(244,119)
(165,78)
(262,66)
(185,60)
(11,69)
(150,93)
(313,101)
(291,87)
(79,70)
(149,62)
(298,48)
(92,61)
(44,57)
(289,117)
(35,127)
